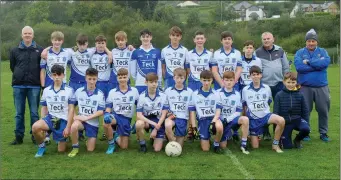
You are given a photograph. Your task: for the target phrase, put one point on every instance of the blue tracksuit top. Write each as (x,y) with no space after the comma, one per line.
(313,74)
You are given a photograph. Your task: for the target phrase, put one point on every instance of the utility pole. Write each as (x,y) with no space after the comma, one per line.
(221,11)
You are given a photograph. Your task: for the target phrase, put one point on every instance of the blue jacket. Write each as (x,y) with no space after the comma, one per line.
(313,74)
(291,106)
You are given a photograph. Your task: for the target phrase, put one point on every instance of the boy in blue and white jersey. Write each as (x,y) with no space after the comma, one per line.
(99,61)
(120,107)
(57,112)
(206,107)
(55,55)
(144,60)
(225,59)
(178,98)
(256,97)
(151,111)
(173,56)
(231,112)
(121,58)
(248,60)
(197,60)
(91,103)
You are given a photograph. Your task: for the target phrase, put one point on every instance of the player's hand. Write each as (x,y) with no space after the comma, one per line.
(80,118)
(131,48)
(153,134)
(157,126)
(66,132)
(195,132)
(107,118)
(110,57)
(43,54)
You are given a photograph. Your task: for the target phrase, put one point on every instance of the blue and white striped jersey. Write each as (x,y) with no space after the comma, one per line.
(178,101)
(62,58)
(88,105)
(152,107)
(173,58)
(100,62)
(257,100)
(197,63)
(123,103)
(121,59)
(57,102)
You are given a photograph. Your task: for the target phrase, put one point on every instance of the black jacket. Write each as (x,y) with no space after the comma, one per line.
(25,64)
(291,105)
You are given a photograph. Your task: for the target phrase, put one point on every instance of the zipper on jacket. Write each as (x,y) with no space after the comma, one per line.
(290,106)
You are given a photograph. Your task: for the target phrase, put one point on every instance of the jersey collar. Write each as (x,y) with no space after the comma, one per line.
(170,46)
(200,91)
(253,57)
(62,87)
(174,88)
(100,53)
(147,50)
(228,93)
(252,87)
(119,90)
(95,91)
(83,51)
(204,52)
(156,94)
(61,50)
(222,50)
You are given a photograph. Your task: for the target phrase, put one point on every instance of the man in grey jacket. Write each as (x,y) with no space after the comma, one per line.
(275,64)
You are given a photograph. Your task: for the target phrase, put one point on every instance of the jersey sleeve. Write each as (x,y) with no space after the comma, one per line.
(243,101)
(213,61)
(108,102)
(43,63)
(191,105)
(270,95)
(137,96)
(159,71)
(140,104)
(239,59)
(72,97)
(165,102)
(133,65)
(219,104)
(239,107)
(162,59)
(187,60)
(76,98)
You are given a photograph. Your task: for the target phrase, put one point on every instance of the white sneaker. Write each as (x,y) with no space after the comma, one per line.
(47,140)
(244,150)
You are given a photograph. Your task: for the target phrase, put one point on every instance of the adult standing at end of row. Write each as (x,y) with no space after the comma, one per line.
(25,66)
(274,65)
(311,63)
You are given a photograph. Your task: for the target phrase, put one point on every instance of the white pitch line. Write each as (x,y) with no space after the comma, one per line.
(238,164)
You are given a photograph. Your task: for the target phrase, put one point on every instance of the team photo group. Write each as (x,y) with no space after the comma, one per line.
(176,94)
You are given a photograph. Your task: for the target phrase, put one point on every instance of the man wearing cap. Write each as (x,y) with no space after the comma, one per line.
(274,64)
(311,63)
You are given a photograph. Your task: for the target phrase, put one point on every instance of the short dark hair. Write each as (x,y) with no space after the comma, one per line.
(228,75)
(249,42)
(145,31)
(91,72)
(58,69)
(206,74)
(199,32)
(101,38)
(122,72)
(82,39)
(255,69)
(151,77)
(290,75)
(226,34)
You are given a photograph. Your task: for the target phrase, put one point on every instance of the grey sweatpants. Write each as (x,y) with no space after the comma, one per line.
(321,97)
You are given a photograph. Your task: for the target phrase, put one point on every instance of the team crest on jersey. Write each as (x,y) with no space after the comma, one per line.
(264,96)
(233,60)
(233,102)
(185,98)
(64,59)
(257,96)
(205,60)
(94,103)
(212,102)
(181,55)
(62,98)
(206,102)
(101,59)
(121,54)
(159,104)
(124,99)
(131,98)
(87,101)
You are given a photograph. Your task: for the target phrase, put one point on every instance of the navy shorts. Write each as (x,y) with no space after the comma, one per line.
(57,127)
(204,128)
(104,87)
(180,127)
(194,85)
(256,125)
(227,128)
(123,125)
(161,131)
(90,130)
(76,85)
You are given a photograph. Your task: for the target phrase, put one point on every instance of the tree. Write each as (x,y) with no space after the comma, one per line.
(167,14)
(193,19)
(38,12)
(220,13)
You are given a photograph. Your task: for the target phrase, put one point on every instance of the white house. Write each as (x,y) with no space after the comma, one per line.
(248,11)
(330,7)
(187,3)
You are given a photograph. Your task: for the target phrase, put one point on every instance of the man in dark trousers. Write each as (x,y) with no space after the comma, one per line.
(311,63)
(25,66)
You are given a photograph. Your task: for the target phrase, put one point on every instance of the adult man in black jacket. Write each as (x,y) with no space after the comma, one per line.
(25,66)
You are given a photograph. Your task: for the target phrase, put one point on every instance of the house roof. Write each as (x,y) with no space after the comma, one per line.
(323,6)
(238,6)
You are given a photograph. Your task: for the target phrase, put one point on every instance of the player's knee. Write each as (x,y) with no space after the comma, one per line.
(139,124)
(305,130)
(205,149)
(168,124)
(106,126)
(280,121)
(35,127)
(219,127)
(244,120)
(91,149)
(223,145)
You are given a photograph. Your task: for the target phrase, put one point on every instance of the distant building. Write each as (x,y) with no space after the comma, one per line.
(187,3)
(248,11)
(329,7)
